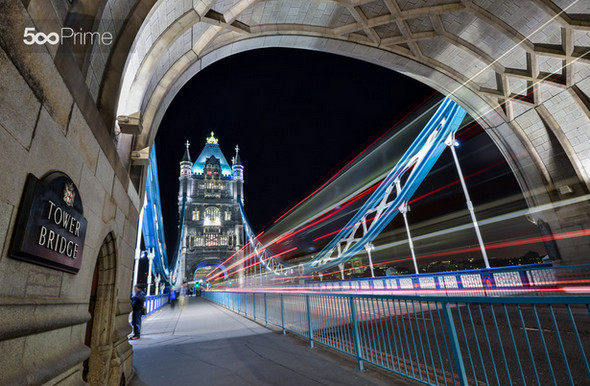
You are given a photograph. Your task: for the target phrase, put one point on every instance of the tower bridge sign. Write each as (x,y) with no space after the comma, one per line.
(50,227)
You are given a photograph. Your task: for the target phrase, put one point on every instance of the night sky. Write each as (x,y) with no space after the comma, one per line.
(298,117)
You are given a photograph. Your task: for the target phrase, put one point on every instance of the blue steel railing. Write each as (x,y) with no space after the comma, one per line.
(439,339)
(534,280)
(154,302)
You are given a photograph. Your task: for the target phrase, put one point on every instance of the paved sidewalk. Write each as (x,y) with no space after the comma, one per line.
(205,344)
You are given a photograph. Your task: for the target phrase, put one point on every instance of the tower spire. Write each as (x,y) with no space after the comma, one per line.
(187,156)
(236,159)
(186,163)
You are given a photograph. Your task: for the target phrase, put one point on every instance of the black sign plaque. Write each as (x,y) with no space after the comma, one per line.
(50,227)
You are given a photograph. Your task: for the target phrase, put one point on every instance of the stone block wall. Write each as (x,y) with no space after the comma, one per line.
(46,125)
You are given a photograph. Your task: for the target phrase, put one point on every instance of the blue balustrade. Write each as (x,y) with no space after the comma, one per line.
(154,302)
(436,340)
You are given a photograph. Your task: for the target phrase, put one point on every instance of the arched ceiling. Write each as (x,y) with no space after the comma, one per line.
(521,67)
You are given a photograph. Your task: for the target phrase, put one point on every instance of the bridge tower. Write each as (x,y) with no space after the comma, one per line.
(213,229)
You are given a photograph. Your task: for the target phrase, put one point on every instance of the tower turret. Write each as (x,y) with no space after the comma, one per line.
(186,164)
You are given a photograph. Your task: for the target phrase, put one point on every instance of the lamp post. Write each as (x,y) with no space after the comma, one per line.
(136,267)
(369,247)
(341,266)
(157,284)
(151,256)
(450,142)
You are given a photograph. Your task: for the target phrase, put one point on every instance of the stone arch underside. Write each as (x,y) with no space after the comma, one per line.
(522,68)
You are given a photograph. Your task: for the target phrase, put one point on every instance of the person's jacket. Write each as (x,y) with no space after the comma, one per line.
(137,301)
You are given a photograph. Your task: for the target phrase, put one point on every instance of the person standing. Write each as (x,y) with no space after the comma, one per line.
(183,293)
(172,297)
(137,301)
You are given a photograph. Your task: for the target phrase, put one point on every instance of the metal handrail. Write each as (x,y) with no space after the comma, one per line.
(437,339)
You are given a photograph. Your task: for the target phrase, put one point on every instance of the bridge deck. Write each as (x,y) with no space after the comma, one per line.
(206,344)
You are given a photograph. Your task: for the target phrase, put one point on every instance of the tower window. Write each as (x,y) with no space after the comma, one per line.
(212,216)
(196,215)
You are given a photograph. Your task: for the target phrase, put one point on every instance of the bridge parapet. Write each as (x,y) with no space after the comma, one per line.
(455,339)
(536,279)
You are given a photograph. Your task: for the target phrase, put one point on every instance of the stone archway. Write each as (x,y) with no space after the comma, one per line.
(208,266)
(99,368)
(521,68)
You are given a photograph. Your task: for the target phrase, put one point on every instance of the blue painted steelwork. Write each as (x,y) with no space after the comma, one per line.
(413,166)
(442,340)
(416,163)
(153,231)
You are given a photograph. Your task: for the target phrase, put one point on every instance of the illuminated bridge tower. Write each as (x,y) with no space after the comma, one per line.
(213,229)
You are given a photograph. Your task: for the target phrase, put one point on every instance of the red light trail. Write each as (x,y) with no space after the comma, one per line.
(357,156)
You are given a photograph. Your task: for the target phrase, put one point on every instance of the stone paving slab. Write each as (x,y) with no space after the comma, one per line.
(206,344)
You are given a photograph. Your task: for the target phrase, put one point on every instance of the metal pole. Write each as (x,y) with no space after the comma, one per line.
(309,325)
(157,284)
(151,255)
(404,209)
(355,334)
(135,270)
(138,242)
(265,311)
(454,342)
(341,266)
(369,247)
(283,314)
(450,142)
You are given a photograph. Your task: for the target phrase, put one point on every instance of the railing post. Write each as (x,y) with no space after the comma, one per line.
(282,314)
(454,340)
(309,322)
(265,312)
(355,334)
(254,304)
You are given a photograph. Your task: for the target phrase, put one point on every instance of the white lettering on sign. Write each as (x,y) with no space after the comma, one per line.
(63,218)
(51,240)
(56,242)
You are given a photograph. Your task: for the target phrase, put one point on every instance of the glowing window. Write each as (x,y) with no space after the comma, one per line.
(196,215)
(212,216)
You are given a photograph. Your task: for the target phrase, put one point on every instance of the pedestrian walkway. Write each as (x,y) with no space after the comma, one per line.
(205,344)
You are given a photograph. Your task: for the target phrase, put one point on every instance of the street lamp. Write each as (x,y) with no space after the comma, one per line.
(341,266)
(369,247)
(151,256)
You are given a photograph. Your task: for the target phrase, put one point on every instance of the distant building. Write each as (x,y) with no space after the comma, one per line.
(213,228)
